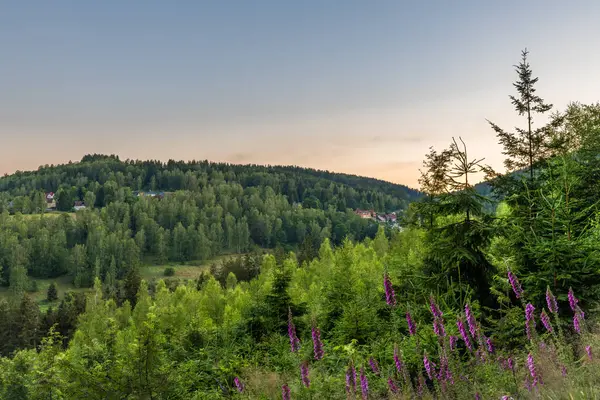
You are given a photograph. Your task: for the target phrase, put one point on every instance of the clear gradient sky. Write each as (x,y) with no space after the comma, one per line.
(363,87)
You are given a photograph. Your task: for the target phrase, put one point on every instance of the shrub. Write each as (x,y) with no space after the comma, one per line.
(169,271)
(52,294)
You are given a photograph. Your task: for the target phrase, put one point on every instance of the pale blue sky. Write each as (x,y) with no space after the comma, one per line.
(354,86)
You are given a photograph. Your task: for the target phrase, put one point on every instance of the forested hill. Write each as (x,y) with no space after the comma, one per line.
(134,213)
(297,184)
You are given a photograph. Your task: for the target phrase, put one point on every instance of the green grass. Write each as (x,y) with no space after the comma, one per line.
(63,284)
(181,271)
(49,214)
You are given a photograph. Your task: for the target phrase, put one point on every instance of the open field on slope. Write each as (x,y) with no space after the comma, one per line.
(190,270)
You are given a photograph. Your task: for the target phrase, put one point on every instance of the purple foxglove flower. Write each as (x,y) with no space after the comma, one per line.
(390,295)
(412,330)
(304,374)
(317,343)
(471,322)
(453,340)
(285,392)
(438,327)
(551,301)
(238,384)
(445,375)
(463,334)
(294,341)
(350,379)
(511,364)
(428,366)
(374,365)
(364,384)
(506,397)
(532,370)
(477,396)
(516,286)
(489,344)
(398,360)
(577,323)
(588,350)
(573,300)
(435,310)
(393,387)
(546,321)
(563,370)
(529,320)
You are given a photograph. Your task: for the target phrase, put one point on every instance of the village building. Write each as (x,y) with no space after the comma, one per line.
(50,201)
(365,213)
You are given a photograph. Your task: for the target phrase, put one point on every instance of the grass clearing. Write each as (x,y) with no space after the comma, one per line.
(49,214)
(189,271)
(63,284)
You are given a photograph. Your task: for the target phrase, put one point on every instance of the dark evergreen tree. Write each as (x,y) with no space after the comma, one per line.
(131,285)
(52,294)
(456,259)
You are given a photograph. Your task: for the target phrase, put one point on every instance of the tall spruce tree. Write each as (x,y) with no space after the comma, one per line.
(456,260)
(525,147)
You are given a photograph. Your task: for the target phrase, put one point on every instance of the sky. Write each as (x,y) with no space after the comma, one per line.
(362,87)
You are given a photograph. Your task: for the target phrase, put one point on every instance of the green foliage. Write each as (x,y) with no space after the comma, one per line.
(127,338)
(169,271)
(52,294)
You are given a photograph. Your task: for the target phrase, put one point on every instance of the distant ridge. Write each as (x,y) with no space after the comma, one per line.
(138,174)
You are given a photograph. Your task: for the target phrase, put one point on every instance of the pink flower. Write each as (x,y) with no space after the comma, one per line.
(435,310)
(398,360)
(317,343)
(238,384)
(551,301)
(374,365)
(516,286)
(392,386)
(533,370)
(546,321)
(463,334)
(453,340)
(390,295)
(577,322)
(471,322)
(411,325)
(572,300)
(304,374)
(588,350)
(364,384)
(489,344)
(529,320)
(285,392)
(351,379)
(294,341)
(428,366)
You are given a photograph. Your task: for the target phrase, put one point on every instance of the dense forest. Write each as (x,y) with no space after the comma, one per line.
(489,292)
(203,210)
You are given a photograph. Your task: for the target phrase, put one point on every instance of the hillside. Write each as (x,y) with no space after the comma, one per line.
(297,184)
(131,214)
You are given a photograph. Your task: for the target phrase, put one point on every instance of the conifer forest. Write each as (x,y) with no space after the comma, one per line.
(269,283)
